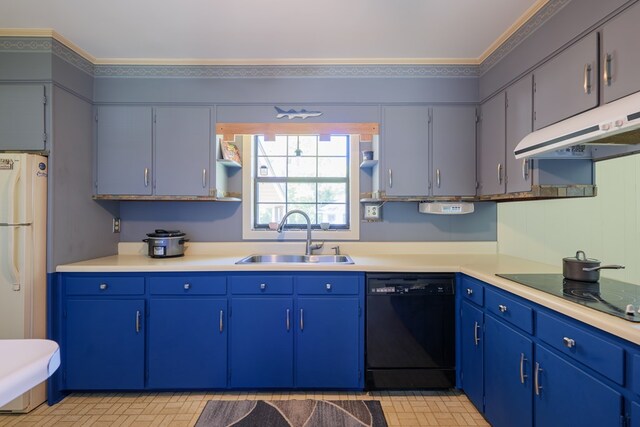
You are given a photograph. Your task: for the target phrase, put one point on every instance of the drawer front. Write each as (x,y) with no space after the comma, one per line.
(472,290)
(262,284)
(635,373)
(582,345)
(104,285)
(326,285)
(510,310)
(188,285)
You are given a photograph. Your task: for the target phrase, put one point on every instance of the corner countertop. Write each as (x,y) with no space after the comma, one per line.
(478,264)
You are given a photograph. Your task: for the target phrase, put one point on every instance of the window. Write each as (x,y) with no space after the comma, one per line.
(317,175)
(301,172)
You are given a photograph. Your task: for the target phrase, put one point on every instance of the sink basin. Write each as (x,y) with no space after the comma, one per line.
(303,259)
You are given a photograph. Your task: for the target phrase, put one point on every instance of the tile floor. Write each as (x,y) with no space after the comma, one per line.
(428,408)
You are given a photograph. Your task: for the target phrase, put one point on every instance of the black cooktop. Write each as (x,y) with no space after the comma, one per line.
(608,295)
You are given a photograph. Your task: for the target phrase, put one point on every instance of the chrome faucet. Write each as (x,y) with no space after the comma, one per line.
(309,248)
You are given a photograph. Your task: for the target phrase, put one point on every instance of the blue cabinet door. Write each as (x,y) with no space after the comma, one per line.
(405,151)
(568,396)
(104,344)
(182,151)
(491,146)
(508,381)
(472,343)
(187,343)
(123,150)
(22,117)
(261,342)
(328,346)
(635,414)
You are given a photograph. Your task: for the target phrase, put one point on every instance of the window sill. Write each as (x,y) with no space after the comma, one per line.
(301,235)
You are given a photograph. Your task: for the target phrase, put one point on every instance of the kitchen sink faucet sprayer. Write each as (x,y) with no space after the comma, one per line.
(309,248)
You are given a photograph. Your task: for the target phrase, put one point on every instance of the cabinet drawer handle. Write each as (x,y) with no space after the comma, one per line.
(187,286)
(476,338)
(522,374)
(328,286)
(204,178)
(469,291)
(536,379)
(438,178)
(607,69)
(221,321)
(288,319)
(301,319)
(587,79)
(103,286)
(568,342)
(390,178)
(502,308)
(137,321)
(146,177)
(263,286)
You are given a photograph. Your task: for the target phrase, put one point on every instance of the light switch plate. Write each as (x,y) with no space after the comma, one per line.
(372,212)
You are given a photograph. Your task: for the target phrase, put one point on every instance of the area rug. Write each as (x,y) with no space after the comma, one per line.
(292,413)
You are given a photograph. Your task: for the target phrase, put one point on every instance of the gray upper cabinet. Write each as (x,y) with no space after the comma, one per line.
(182,151)
(405,147)
(124,147)
(454,150)
(22,117)
(567,84)
(519,115)
(491,146)
(621,56)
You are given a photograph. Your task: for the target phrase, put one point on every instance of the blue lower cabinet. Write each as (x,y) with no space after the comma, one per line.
(508,391)
(261,342)
(104,344)
(634,414)
(327,343)
(187,343)
(472,344)
(567,396)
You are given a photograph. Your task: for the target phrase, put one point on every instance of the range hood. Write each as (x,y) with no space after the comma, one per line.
(608,131)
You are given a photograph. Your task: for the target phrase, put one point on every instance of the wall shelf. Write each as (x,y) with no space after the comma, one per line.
(229,163)
(367,164)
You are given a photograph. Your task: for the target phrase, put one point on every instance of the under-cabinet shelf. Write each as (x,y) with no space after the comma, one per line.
(229,163)
(366,164)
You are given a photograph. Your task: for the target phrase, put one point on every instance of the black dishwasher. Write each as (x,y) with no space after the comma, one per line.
(410,331)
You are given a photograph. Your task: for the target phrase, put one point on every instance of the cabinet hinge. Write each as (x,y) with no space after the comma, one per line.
(154,118)
(44,99)
(534,87)
(534,116)
(96,117)
(478,116)
(623,421)
(430,116)
(506,101)
(477,185)
(44,137)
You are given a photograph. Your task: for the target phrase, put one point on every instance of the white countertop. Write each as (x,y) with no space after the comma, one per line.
(478,264)
(25,364)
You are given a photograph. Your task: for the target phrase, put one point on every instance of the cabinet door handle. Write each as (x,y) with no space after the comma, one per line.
(522,374)
(221,321)
(288,319)
(499,173)
(137,321)
(502,308)
(568,342)
(476,338)
(587,79)
(438,178)
(525,169)
(536,379)
(390,178)
(301,319)
(146,177)
(607,69)
(204,178)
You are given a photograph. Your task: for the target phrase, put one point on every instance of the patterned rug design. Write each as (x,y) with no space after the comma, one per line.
(292,413)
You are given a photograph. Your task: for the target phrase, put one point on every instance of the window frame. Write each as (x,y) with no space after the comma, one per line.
(249,232)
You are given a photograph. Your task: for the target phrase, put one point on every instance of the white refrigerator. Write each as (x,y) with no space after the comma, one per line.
(23,240)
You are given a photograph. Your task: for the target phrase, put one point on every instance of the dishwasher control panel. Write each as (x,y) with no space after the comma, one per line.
(410,284)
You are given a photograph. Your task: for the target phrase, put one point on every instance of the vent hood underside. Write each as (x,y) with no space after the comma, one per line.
(611,130)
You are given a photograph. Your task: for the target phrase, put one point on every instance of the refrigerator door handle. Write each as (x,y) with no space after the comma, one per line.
(13,257)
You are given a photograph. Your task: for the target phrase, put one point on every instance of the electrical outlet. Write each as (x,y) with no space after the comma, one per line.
(372,212)
(116,225)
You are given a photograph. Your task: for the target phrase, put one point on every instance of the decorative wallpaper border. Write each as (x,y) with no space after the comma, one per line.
(58,48)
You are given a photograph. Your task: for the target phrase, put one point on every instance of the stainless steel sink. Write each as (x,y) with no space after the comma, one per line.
(303,259)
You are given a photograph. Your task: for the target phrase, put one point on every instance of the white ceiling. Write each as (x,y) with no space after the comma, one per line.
(259,31)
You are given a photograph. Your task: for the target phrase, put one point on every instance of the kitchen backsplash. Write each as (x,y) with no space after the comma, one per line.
(606,227)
